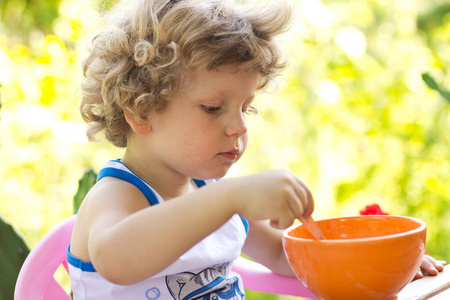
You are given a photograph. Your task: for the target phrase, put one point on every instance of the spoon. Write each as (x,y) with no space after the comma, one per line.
(312,227)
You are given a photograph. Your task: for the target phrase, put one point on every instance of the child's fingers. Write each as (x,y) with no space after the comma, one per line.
(301,202)
(307,200)
(274,224)
(285,220)
(418,275)
(442,262)
(428,266)
(438,265)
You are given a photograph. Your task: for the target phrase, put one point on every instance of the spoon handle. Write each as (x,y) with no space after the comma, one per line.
(312,227)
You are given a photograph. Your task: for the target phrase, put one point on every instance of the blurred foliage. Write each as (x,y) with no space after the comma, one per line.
(22,16)
(352,114)
(354,117)
(84,185)
(432,84)
(13,252)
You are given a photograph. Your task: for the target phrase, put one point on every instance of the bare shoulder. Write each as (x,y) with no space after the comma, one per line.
(111,194)
(108,202)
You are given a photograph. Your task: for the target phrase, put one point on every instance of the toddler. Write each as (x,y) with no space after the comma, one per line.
(172,82)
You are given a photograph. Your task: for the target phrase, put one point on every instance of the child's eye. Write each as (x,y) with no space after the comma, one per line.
(211,109)
(251,110)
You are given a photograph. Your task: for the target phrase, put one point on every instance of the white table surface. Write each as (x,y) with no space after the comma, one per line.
(429,287)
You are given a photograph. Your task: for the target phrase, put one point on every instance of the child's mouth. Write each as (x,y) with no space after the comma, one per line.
(229,155)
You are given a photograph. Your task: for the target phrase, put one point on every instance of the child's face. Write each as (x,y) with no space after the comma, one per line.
(203,130)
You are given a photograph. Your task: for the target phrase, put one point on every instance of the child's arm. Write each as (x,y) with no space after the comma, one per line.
(264,241)
(263,244)
(128,242)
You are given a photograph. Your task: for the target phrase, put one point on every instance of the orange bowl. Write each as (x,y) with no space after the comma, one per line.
(362,257)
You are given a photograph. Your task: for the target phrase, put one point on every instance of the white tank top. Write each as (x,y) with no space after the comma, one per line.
(203,272)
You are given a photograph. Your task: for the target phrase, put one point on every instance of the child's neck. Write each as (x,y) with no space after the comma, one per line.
(166,183)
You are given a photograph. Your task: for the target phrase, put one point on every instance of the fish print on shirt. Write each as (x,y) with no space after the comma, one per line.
(209,284)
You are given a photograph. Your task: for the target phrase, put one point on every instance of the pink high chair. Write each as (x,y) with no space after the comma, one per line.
(36,280)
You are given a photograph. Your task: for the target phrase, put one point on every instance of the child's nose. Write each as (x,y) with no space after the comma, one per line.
(237,125)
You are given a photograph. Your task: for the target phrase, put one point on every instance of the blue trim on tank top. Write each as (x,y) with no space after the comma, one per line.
(131,178)
(78,263)
(245,222)
(135,180)
(143,187)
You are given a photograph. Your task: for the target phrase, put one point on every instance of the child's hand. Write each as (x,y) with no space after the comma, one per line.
(277,195)
(431,266)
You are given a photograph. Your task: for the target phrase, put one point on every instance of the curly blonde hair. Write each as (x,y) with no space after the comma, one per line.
(139,62)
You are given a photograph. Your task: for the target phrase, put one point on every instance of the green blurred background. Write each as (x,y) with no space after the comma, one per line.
(351,115)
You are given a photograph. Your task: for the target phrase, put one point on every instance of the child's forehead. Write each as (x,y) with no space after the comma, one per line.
(220,84)
(206,75)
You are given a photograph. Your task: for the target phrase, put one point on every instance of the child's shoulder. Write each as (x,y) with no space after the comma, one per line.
(108,202)
(113,194)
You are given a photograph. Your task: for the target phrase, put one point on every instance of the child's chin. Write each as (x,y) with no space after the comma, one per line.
(214,175)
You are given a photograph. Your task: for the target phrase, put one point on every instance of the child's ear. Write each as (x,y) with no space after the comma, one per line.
(140,128)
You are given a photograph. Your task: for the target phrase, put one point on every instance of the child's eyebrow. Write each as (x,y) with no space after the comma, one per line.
(225,94)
